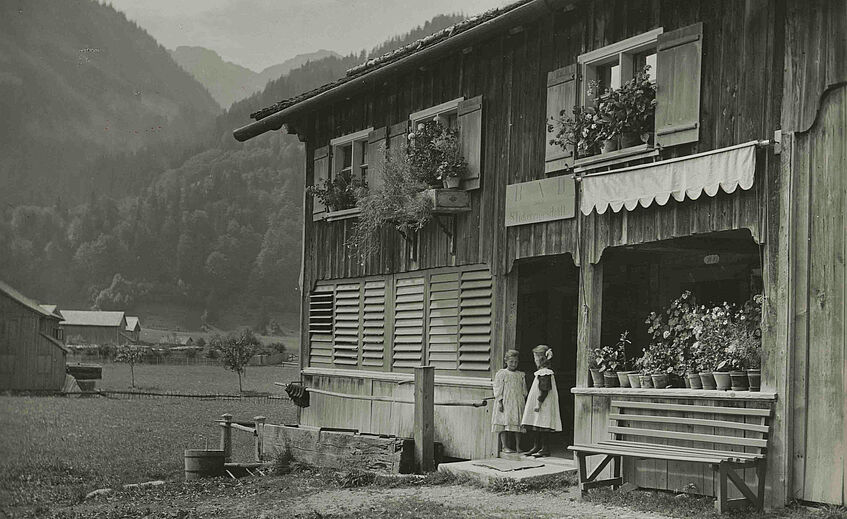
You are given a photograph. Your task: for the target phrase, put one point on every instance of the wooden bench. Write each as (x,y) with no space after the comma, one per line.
(712,434)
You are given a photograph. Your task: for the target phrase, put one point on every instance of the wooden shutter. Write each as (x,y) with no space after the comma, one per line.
(376,157)
(679,54)
(346,324)
(397,137)
(475,320)
(408,322)
(320,173)
(443,329)
(470,140)
(320,325)
(561,95)
(373,332)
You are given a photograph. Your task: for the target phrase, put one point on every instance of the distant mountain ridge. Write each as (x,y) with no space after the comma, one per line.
(229,82)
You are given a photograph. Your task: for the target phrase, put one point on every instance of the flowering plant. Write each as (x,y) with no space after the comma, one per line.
(434,153)
(582,130)
(612,358)
(728,337)
(635,104)
(672,337)
(341,192)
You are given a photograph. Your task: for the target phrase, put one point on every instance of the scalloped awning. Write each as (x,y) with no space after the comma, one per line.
(681,178)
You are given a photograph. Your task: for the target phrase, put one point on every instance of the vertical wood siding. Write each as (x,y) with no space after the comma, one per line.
(28,361)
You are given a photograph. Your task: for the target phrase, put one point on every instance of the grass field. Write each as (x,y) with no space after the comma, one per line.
(195,379)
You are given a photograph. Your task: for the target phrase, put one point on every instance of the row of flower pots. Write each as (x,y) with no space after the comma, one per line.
(747,380)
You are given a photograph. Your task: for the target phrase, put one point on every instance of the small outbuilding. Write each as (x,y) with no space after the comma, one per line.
(32,354)
(95,327)
(133,328)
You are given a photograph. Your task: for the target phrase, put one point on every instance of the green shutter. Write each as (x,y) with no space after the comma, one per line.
(678,60)
(443,321)
(373,332)
(376,157)
(475,299)
(320,325)
(561,96)
(320,174)
(470,140)
(409,294)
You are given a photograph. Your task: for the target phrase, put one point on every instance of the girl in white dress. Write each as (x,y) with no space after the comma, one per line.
(541,413)
(509,400)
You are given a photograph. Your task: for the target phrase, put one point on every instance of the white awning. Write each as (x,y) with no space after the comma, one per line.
(726,168)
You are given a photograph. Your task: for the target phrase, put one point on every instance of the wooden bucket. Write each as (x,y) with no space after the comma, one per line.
(201,463)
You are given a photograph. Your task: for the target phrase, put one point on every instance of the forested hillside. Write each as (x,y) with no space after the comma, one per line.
(78,81)
(219,227)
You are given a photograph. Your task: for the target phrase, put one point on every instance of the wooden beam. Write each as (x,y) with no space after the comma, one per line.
(590,309)
(424,418)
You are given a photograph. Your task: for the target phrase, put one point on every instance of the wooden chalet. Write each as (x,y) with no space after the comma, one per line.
(32,354)
(741,190)
(95,327)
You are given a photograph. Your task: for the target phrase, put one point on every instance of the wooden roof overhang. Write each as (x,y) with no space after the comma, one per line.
(362,78)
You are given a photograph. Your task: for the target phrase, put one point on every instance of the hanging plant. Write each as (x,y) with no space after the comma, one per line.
(399,203)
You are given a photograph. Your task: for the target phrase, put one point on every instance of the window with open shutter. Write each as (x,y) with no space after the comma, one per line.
(397,136)
(409,297)
(443,321)
(320,325)
(320,175)
(373,324)
(679,55)
(346,319)
(475,320)
(561,96)
(470,140)
(376,157)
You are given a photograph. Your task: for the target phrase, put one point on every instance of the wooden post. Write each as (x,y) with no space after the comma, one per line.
(590,310)
(226,437)
(259,424)
(424,418)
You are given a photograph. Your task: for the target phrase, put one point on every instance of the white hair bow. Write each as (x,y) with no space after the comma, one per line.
(548,354)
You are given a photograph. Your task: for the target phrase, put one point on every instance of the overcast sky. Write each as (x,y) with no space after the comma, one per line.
(260,33)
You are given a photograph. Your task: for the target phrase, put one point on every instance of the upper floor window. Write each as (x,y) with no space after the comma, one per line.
(350,155)
(447,114)
(610,67)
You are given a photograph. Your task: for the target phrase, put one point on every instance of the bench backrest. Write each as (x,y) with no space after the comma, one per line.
(711,427)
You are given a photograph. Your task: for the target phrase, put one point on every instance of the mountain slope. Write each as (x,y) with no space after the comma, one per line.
(78,80)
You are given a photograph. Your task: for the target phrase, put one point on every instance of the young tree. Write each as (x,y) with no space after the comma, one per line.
(236,350)
(129,354)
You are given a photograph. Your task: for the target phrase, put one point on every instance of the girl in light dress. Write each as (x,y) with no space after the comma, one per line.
(541,414)
(509,400)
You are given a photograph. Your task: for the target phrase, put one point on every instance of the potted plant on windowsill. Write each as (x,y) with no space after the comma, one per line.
(434,155)
(339,193)
(635,109)
(580,130)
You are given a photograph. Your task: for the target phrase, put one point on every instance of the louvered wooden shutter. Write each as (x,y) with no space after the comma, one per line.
(475,320)
(679,54)
(443,329)
(320,325)
(397,137)
(373,332)
(561,95)
(408,322)
(470,140)
(320,174)
(376,157)
(346,319)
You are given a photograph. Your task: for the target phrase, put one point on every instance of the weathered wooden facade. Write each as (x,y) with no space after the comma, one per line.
(32,356)
(754,88)
(95,327)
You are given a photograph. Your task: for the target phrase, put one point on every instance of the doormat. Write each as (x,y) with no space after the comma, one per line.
(504,465)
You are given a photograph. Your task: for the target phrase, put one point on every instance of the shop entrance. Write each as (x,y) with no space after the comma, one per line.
(547,314)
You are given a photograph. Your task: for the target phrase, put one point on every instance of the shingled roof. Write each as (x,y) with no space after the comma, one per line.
(395,55)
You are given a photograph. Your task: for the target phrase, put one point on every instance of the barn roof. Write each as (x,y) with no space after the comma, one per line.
(92,318)
(53,309)
(460,33)
(132,323)
(25,301)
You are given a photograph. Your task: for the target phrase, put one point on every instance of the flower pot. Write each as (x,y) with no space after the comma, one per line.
(660,380)
(610,378)
(634,379)
(722,380)
(596,377)
(609,145)
(694,381)
(646,381)
(754,378)
(708,380)
(738,380)
(623,378)
(630,139)
(452,182)
(686,382)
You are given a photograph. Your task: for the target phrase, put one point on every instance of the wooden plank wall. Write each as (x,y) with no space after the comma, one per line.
(28,361)
(464,431)
(659,474)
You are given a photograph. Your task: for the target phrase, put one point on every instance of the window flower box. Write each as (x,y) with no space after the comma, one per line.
(448,201)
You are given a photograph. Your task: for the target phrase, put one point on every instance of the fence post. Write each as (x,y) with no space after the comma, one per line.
(226,437)
(424,418)
(259,424)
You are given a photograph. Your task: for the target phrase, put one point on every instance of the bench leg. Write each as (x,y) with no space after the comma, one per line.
(583,477)
(726,473)
(761,470)
(588,481)
(720,503)
(616,471)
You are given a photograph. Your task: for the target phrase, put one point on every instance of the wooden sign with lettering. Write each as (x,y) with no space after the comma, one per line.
(542,200)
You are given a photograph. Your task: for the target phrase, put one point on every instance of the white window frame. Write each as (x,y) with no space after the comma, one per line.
(621,52)
(351,139)
(438,112)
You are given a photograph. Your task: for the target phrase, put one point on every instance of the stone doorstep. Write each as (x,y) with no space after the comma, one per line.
(552,466)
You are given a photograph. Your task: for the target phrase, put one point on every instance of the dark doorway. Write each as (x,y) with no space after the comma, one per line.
(547,314)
